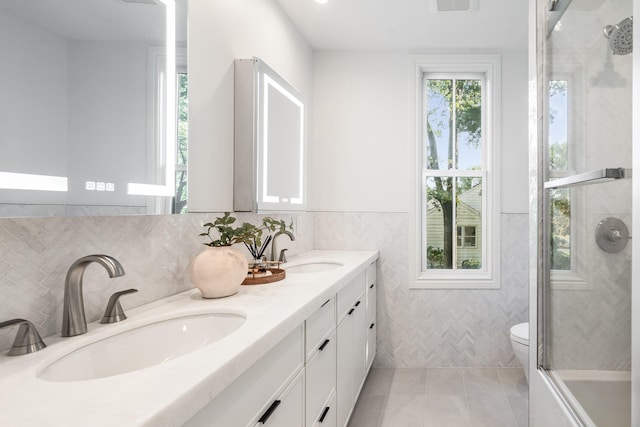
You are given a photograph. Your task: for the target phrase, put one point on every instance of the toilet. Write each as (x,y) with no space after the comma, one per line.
(520,344)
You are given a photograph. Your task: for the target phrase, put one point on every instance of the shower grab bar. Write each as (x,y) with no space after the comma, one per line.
(592,177)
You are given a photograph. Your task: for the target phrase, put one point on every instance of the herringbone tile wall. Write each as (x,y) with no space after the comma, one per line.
(417,328)
(435,328)
(155,252)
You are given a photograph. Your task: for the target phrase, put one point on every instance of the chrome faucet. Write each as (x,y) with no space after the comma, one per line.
(74,321)
(274,249)
(27,339)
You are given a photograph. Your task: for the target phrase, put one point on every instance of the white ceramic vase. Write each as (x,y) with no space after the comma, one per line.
(218,271)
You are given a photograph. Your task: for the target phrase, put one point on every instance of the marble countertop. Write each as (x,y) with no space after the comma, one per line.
(170,393)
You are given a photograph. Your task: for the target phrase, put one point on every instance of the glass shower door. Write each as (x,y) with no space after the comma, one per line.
(585,341)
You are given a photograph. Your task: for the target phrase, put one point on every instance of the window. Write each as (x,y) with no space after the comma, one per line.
(466,236)
(456,197)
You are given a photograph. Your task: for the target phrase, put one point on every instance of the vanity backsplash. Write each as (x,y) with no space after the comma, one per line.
(155,252)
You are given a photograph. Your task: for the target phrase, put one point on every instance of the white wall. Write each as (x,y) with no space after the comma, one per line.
(514,146)
(219,32)
(362,140)
(360,148)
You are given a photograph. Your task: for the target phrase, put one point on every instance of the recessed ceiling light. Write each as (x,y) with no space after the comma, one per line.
(322,1)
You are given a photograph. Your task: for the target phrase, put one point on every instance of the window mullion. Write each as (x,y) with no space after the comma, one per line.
(454,136)
(454,226)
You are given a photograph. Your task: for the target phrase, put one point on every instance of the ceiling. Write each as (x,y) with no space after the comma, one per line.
(408,24)
(98,19)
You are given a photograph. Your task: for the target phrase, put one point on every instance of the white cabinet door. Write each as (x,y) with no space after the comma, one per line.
(359,337)
(345,379)
(371,292)
(351,359)
(371,344)
(372,287)
(327,418)
(354,346)
(321,378)
(288,409)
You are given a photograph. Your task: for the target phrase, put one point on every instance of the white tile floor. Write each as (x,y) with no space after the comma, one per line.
(443,397)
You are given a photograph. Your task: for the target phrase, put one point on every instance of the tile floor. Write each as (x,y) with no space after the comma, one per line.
(443,397)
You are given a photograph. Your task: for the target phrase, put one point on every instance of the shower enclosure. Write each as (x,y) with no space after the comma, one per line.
(582,210)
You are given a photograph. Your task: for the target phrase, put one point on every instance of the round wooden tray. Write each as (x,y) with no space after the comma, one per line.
(276,275)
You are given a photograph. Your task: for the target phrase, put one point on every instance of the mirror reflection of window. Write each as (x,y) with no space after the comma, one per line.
(560,199)
(180,200)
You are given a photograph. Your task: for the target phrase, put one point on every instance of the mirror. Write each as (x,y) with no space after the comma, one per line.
(89,113)
(270,140)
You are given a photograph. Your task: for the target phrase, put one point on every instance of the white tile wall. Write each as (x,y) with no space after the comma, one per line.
(435,328)
(417,328)
(155,252)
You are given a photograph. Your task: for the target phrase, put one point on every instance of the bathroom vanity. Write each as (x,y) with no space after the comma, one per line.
(289,353)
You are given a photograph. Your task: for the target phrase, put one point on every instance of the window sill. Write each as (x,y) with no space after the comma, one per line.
(478,282)
(568,281)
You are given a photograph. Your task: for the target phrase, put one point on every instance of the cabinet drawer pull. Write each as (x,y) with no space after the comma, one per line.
(324,414)
(357,303)
(351,311)
(372,325)
(269,412)
(324,344)
(325,303)
(372,285)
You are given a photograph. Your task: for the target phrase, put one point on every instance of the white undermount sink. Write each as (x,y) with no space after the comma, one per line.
(142,347)
(313,267)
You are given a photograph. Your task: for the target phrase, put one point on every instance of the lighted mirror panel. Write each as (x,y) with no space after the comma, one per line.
(270,141)
(89,118)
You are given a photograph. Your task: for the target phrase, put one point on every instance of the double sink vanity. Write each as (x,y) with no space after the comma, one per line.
(290,353)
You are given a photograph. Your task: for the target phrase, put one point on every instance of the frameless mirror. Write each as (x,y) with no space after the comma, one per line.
(270,140)
(89,118)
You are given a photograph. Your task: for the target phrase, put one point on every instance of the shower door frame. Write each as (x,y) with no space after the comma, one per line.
(550,404)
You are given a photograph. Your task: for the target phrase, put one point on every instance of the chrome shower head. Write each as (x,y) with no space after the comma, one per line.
(620,36)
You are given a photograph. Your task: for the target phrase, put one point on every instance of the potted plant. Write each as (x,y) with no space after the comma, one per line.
(219,270)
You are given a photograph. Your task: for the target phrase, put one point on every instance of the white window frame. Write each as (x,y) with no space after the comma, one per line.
(455,65)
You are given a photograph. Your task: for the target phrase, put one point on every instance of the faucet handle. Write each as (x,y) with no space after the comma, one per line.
(27,339)
(283,256)
(114,312)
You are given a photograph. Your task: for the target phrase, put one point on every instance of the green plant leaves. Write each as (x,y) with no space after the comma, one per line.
(247,233)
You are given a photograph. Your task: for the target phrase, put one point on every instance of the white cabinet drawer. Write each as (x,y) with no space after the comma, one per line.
(321,377)
(319,325)
(244,400)
(350,294)
(287,410)
(327,417)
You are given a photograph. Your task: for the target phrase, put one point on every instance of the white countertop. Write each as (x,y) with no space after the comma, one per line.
(170,393)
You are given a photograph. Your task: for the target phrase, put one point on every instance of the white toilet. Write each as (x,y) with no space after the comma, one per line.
(520,343)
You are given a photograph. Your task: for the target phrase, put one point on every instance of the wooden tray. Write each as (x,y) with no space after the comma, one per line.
(276,275)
